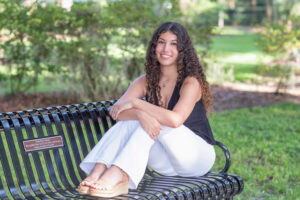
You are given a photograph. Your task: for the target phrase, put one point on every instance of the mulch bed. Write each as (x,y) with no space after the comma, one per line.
(225,98)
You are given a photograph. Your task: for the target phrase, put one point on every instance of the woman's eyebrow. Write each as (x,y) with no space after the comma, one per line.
(171,40)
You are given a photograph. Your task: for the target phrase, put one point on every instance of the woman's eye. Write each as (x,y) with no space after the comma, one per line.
(174,43)
(160,42)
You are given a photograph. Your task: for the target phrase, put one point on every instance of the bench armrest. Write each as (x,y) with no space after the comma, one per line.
(227,156)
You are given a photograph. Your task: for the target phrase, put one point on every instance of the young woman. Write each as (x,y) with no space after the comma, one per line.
(169,131)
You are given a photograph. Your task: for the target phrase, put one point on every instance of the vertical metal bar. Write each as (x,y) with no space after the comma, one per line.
(46,154)
(80,132)
(6,169)
(66,152)
(28,168)
(72,138)
(16,162)
(88,131)
(37,162)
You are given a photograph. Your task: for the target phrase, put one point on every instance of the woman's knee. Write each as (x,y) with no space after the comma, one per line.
(195,165)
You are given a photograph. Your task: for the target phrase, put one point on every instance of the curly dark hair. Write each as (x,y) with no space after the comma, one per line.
(187,62)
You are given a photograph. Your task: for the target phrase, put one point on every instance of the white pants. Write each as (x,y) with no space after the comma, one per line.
(177,151)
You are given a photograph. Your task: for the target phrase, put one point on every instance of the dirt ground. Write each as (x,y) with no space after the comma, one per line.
(233,96)
(228,96)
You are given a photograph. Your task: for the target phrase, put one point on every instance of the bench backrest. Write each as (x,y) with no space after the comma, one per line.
(41,149)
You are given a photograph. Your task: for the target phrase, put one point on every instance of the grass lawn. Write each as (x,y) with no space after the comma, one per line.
(239,51)
(264,145)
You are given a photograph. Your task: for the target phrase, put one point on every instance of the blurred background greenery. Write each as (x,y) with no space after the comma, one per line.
(92,50)
(95,48)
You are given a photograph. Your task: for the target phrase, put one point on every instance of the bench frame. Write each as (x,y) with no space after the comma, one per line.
(49,169)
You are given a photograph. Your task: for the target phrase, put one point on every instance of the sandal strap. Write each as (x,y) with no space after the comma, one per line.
(99,185)
(86,183)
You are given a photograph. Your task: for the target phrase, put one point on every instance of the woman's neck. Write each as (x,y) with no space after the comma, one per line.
(168,73)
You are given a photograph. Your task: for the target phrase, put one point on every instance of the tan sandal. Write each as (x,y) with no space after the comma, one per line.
(85,186)
(109,191)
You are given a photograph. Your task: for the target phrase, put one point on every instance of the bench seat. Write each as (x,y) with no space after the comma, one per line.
(40,151)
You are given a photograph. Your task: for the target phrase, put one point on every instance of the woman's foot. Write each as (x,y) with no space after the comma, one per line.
(85,185)
(114,182)
(95,174)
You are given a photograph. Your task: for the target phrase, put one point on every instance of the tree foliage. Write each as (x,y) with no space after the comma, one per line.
(98,46)
(27,42)
(283,42)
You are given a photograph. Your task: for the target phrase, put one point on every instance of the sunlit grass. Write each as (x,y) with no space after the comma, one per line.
(235,44)
(231,30)
(238,50)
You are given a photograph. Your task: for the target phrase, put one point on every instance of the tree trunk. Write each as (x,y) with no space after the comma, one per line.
(253,11)
(221,14)
(269,10)
(184,4)
(232,4)
(274,11)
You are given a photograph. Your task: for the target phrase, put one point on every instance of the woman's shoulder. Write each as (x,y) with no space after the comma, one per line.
(141,80)
(140,83)
(191,81)
(191,87)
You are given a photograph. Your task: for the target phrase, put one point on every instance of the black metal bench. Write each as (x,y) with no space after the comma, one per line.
(40,151)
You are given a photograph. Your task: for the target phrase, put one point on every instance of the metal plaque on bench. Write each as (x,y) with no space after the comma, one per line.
(43,143)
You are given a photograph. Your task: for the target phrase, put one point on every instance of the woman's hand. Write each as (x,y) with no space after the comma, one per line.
(150,124)
(118,107)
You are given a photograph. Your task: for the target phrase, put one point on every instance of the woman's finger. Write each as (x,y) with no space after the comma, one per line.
(117,114)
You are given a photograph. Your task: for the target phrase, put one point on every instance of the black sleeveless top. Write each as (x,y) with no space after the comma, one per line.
(197,121)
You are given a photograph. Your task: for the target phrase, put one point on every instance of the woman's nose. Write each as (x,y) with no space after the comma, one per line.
(166,47)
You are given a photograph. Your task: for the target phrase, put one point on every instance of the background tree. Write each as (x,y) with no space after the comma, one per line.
(26,42)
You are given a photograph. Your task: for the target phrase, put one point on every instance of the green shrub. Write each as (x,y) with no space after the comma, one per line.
(283,42)
(27,42)
(97,47)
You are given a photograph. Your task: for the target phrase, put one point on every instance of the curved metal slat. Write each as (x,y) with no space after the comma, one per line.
(36,158)
(225,183)
(67,156)
(72,139)
(56,154)
(227,156)
(6,168)
(85,117)
(49,165)
(28,168)
(14,188)
(80,134)
(58,162)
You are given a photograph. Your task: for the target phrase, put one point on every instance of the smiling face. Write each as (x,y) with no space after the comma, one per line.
(166,49)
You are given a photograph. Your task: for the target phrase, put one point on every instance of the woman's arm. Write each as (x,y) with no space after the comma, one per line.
(190,93)
(129,114)
(137,89)
(149,123)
